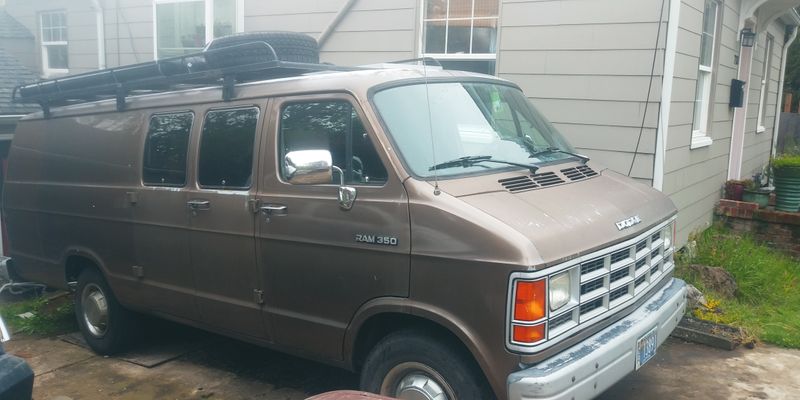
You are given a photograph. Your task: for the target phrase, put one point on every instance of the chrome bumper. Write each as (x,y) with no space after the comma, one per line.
(592,366)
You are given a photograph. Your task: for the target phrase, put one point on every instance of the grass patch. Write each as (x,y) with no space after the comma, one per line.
(767,303)
(51,317)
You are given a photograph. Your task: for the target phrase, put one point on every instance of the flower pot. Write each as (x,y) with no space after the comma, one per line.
(758,196)
(734,190)
(787,189)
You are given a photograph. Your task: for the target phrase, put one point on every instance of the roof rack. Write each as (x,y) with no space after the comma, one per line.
(227,65)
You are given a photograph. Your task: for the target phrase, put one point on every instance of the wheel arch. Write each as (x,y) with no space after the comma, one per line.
(76,259)
(380,317)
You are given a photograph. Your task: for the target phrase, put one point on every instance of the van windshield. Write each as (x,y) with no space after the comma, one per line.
(470,128)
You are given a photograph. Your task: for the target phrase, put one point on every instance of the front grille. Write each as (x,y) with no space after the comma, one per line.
(592,266)
(608,280)
(591,286)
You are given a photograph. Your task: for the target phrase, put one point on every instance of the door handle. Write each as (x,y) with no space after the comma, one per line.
(195,205)
(274,210)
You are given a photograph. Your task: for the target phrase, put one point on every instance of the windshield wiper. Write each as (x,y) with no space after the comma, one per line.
(557,150)
(469,161)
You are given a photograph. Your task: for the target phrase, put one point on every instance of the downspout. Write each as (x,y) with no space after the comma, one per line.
(328,31)
(101,34)
(670,51)
(779,102)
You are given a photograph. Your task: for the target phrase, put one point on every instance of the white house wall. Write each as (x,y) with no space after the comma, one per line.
(694,178)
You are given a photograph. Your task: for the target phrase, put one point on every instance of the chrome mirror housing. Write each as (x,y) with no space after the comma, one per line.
(308,167)
(4,336)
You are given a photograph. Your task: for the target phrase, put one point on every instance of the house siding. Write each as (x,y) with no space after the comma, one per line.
(566,55)
(81,29)
(694,178)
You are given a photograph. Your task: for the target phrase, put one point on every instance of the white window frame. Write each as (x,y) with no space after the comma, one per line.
(209,19)
(46,70)
(447,19)
(765,69)
(700,134)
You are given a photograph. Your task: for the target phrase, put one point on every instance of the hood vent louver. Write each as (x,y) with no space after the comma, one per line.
(528,182)
(579,172)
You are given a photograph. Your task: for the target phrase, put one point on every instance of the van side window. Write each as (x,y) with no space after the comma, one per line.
(226,149)
(165,149)
(334,126)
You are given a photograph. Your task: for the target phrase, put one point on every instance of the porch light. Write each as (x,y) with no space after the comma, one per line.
(748,37)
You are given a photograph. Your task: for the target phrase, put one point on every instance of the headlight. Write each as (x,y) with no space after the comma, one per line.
(668,230)
(559,291)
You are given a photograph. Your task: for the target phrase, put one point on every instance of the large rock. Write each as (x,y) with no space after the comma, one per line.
(716,279)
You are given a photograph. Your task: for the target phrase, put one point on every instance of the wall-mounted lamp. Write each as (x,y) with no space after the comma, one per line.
(748,37)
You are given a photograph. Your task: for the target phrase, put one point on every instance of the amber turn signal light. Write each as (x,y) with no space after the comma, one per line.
(528,334)
(530,301)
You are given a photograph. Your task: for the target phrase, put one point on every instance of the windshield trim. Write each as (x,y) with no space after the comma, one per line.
(371,92)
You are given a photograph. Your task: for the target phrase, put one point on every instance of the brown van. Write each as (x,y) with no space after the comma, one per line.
(427,228)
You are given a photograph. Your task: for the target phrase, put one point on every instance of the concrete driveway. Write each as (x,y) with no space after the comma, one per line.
(234,370)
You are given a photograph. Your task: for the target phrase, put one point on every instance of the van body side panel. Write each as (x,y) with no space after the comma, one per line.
(222,240)
(317,274)
(66,195)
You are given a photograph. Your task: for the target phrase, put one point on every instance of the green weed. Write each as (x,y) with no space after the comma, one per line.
(767,302)
(50,317)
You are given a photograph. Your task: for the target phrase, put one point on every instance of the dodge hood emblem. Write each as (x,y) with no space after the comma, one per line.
(627,223)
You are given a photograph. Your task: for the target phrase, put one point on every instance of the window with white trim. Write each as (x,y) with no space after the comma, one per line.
(55,57)
(762,101)
(705,75)
(461,34)
(185,26)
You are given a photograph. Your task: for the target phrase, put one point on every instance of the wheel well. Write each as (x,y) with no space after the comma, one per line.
(75,265)
(379,326)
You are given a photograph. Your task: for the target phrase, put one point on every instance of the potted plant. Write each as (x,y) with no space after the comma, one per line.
(786,169)
(754,193)
(734,189)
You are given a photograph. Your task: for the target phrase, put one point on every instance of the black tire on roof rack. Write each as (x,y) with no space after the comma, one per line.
(288,46)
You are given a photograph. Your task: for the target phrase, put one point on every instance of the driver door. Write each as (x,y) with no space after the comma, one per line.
(317,271)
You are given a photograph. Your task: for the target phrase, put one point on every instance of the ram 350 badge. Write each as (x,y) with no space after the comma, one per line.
(376,239)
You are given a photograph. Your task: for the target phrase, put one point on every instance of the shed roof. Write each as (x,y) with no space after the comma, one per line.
(12,73)
(11,28)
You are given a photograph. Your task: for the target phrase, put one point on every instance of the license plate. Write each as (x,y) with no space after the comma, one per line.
(646,347)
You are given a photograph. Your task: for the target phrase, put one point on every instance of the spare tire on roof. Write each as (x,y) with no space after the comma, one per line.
(288,46)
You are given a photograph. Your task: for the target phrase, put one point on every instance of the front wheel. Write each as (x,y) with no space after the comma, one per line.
(410,365)
(106,326)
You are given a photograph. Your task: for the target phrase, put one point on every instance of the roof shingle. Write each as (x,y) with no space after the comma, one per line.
(11,28)
(12,74)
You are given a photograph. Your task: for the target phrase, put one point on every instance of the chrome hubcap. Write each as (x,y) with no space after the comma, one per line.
(95,310)
(415,381)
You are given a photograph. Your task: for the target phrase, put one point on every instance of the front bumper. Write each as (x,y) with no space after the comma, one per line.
(592,366)
(16,378)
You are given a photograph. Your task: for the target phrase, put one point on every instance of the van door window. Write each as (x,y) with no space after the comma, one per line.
(334,126)
(226,149)
(164,161)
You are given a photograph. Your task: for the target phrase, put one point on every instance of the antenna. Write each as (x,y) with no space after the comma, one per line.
(436,190)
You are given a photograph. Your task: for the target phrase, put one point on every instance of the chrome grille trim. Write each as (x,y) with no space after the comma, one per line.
(596,296)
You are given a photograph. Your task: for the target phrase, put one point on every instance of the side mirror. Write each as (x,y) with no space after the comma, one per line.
(308,167)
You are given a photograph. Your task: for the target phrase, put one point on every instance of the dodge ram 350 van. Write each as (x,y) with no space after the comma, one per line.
(427,228)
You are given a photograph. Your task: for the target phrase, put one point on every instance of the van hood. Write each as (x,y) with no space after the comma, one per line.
(572,219)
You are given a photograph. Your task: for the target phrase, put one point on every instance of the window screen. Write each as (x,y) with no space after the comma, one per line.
(165,149)
(336,127)
(226,149)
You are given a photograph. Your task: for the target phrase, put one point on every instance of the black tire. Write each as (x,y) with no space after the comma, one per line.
(288,46)
(408,351)
(120,327)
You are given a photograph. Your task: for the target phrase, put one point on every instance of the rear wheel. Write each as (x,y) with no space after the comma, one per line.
(106,326)
(410,365)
